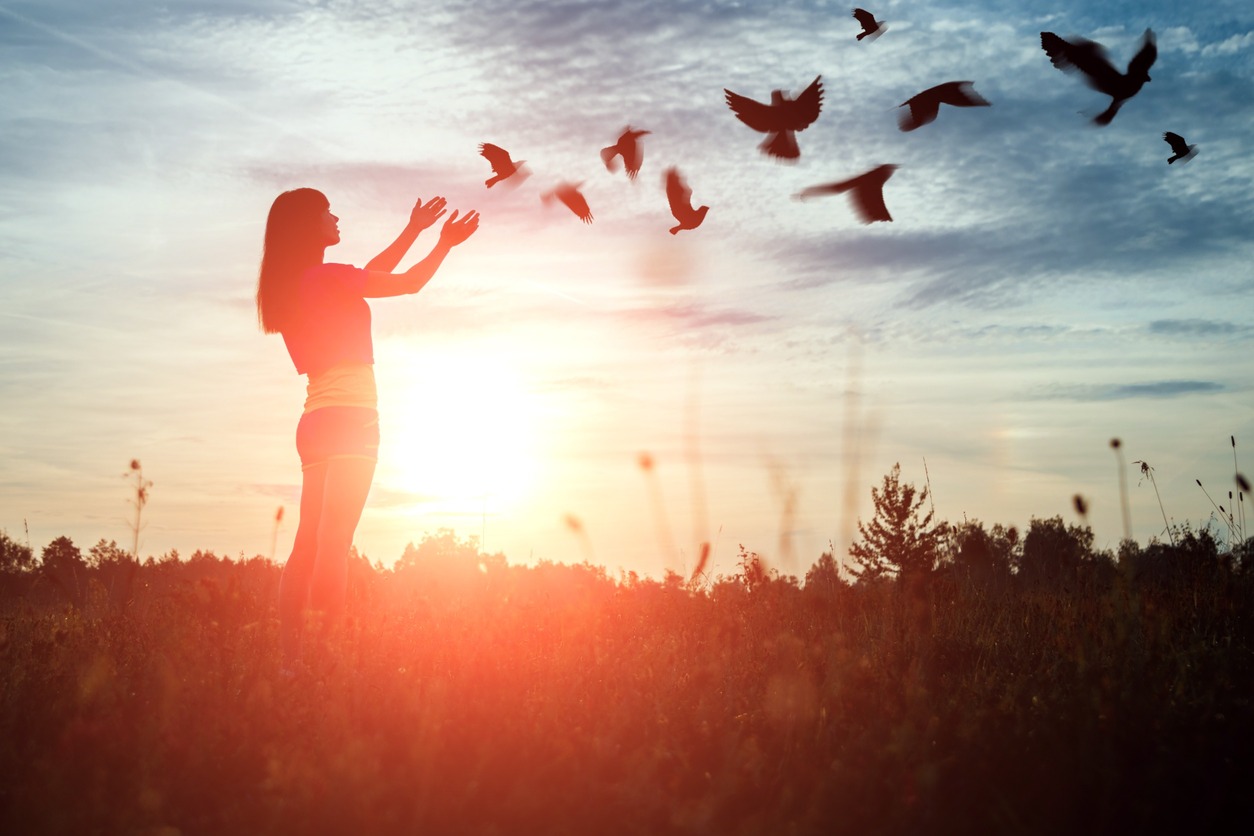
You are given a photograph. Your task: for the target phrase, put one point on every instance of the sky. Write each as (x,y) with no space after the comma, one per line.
(610,392)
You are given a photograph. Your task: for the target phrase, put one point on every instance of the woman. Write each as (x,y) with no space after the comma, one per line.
(320,310)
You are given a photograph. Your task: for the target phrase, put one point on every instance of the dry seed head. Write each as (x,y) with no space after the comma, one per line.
(1243,483)
(1115,443)
(1081,505)
(645,461)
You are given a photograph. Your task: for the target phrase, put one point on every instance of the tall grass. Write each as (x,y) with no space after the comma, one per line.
(471,696)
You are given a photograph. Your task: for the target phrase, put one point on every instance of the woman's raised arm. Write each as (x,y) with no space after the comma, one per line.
(382,283)
(421,216)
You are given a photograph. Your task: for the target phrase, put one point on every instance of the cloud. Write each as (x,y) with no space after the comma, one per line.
(1153,390)
(1230,45)
(1198,328)
(1180,38)
(368,182)
(694,315)
(1067,219)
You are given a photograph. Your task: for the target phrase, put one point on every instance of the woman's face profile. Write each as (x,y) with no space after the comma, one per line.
(329,226)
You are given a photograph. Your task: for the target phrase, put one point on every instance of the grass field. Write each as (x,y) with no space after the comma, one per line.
(466,695)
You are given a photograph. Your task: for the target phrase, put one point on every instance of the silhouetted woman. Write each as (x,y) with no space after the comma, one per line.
(321,311)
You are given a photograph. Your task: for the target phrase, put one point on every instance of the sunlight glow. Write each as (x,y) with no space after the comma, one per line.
(458,432)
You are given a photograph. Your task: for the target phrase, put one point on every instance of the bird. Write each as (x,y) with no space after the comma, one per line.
(571,196)
(1180,150)
(871,28)
(781,119)
(1090,58)
(867,192)
(680,198)
(628,147)
(925,106)
(503,167)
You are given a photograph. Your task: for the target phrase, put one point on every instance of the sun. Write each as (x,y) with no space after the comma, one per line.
(458,432)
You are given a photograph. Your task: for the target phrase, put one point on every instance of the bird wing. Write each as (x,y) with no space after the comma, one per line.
(1070,54)
(497,156)
(576,202)
(1056,48)
(869,203)
(822,189)
(801,112)
(868,194)
(923,109)
(1088,57)
(678,195)
(608,153)
(633,153)
(761,117)
(1145,56)
(867,19)
(958,94)
(837,187)
(633,161)
(1176,142)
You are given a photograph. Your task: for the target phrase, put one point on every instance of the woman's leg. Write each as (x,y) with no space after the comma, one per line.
(345,488)
(297,572)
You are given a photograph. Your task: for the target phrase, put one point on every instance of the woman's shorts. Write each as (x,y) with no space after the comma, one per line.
(334,432)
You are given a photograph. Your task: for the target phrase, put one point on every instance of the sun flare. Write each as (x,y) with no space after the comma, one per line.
(457,433)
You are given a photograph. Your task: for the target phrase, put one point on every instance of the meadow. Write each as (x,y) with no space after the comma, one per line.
(1024,685)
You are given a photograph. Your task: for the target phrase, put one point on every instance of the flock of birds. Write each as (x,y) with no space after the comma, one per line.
(784,116)
(630,151)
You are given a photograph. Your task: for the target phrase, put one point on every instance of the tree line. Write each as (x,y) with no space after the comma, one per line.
(902,544)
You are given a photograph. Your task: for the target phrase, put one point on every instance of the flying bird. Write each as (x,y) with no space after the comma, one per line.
(1180,150)
(1090,58)
(781,119)
(629,148)
(924,107)
(572,197)
(866,191)
(502,166)
(871,28)
(680,198)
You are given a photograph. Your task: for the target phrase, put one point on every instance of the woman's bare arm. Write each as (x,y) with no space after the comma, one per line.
(420,217)
(381,283)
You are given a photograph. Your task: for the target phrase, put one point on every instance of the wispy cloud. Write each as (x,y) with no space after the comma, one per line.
(1153,390)
(695,315)
(1202,328)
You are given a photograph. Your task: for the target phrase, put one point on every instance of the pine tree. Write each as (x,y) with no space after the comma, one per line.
(900,540)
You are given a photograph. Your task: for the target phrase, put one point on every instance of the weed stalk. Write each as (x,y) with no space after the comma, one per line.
(1147,471)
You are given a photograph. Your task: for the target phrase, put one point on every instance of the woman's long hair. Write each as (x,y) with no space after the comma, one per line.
(293,245)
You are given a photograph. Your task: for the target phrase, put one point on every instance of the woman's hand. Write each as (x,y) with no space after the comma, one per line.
(456,231)
(426,214)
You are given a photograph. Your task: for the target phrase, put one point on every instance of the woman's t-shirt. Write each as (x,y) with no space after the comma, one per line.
(333,320)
